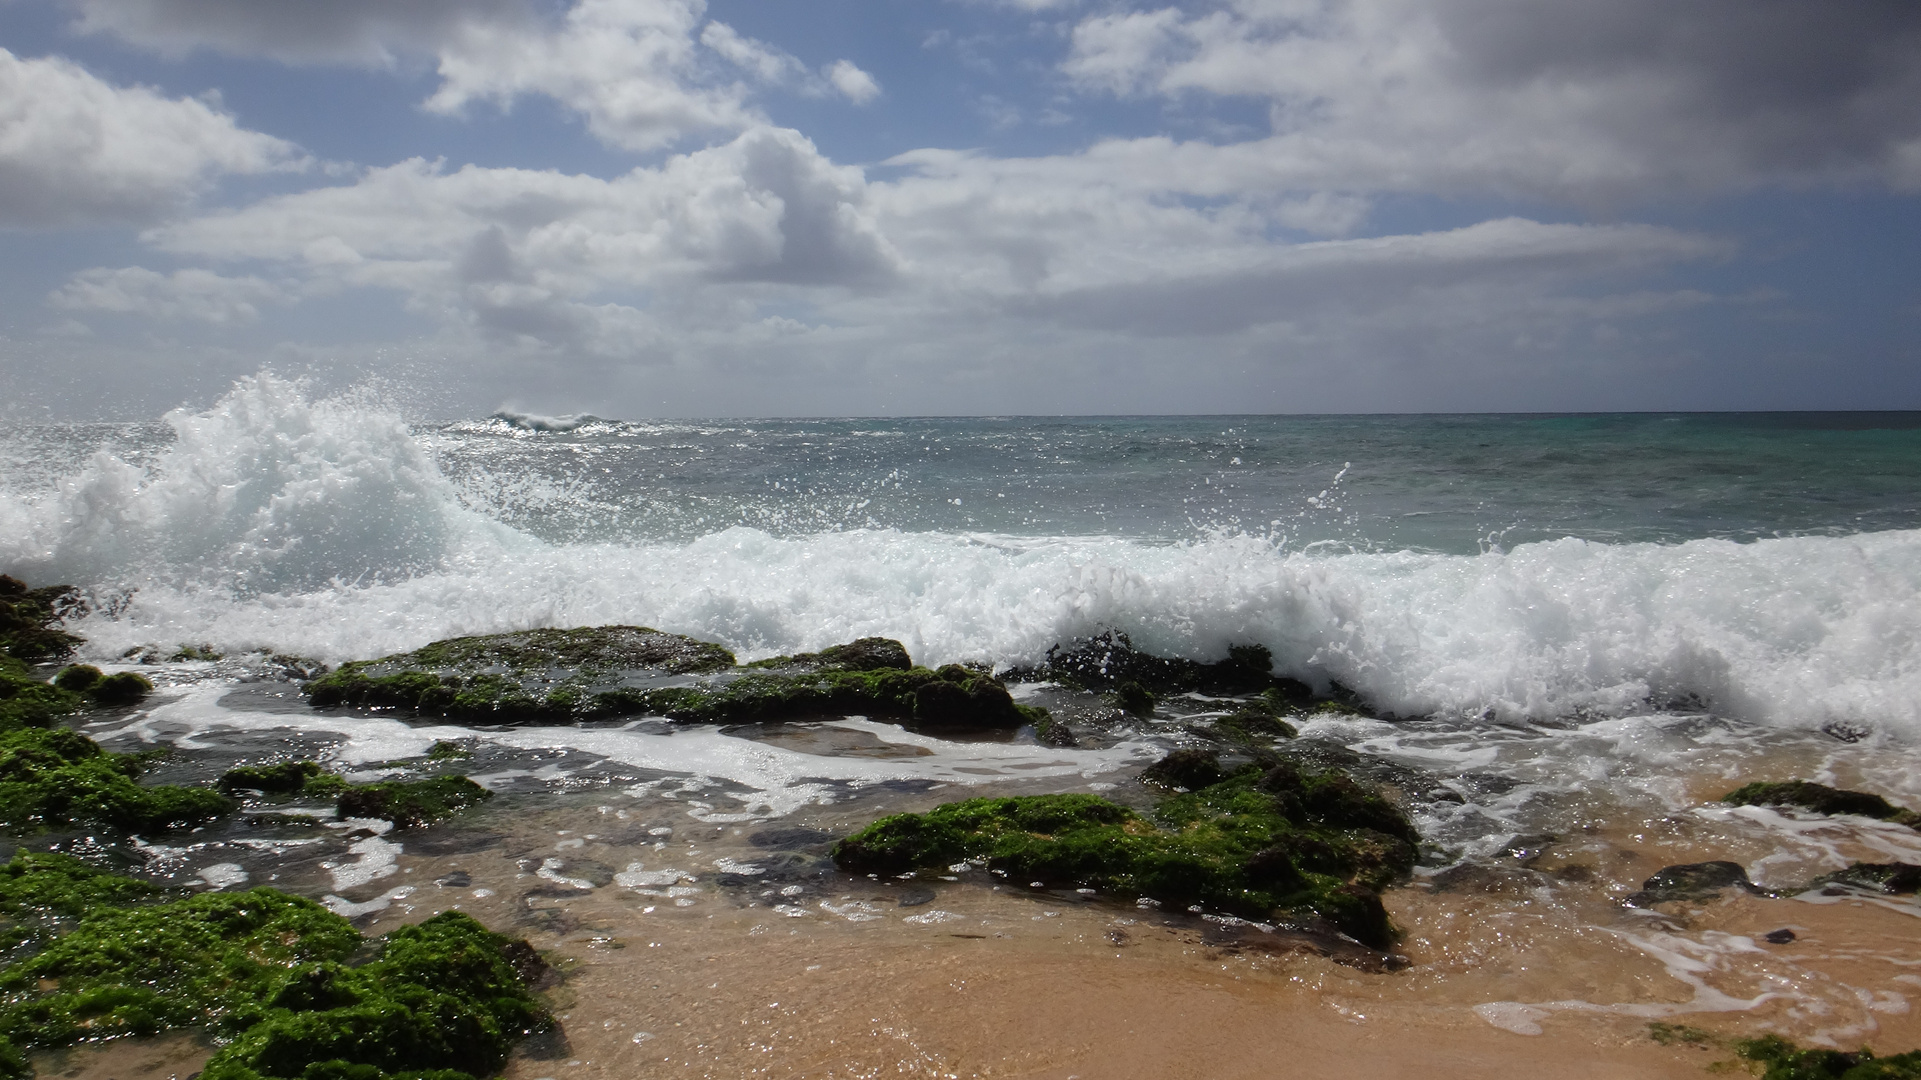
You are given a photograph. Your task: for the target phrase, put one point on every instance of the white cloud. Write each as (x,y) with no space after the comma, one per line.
(1563,99)
(856,85)
(77,150)
(630,67)
(763,61)
(538,255)
(193,294)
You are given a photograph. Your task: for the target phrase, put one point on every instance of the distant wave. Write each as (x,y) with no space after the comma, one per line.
(536,422)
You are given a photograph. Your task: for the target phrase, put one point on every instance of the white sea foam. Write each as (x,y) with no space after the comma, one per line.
(324,528)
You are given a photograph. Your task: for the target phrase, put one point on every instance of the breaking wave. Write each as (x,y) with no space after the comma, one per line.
(324,527)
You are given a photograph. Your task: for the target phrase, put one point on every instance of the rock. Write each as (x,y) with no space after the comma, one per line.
(1049,731)
(121,688)
(1134,699)
(1305,847)
(1692,881)
(1187,770)
(1778,937)
(411,803)
(567,676)
(58,777)
(1892,878)
(1821,799)
(29,620)
(282,778)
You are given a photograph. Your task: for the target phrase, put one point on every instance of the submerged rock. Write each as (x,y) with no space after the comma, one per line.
(1307,845)
(1895,879)
(1693,882)
(565,676)
(1821,799)
(1780,1059)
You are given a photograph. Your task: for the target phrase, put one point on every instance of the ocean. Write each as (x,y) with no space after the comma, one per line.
(1575,631)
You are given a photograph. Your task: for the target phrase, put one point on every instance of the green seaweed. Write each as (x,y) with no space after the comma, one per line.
(55,777)
(411,803)
(1134,699)
(29,621)
(282,778)
(1305,844)
(442,750)
(1780,1059)
(1892,878)
(869,677)
(1679,1035)
(1821,799)
(445,999)
(26,702)
(41,894)
(141,970)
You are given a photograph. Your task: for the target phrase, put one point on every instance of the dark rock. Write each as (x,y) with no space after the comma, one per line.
(29,620)
(411,803)
(1188,769)
(916,897)
(1230,843)
(1693,882)
(1892,878)
(1778,937)
(1134,699)
(1821,799)
(789,837)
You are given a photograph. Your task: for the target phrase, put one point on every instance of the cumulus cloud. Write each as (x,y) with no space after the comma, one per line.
(630,67)
(1566,100)
(198,295)
(538,256)
(77,150)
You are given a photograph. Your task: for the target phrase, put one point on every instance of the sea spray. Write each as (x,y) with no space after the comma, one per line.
(331,529)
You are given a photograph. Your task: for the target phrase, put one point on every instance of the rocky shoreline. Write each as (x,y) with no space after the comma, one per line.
(1247,821)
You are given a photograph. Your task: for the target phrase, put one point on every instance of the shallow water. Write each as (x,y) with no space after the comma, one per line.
(1570,635)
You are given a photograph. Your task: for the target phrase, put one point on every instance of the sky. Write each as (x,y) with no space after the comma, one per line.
(640,208)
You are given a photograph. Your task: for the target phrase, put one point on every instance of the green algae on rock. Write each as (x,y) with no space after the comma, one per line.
(41,894)
(282,778)
(442,1001)
(51,778)
(267,971)
(29,620)
(120,688)
(27,702)
(565,676)
(1259,841)
(1895,879)
(1821,799)
(529,674)
(411,803)
(1780,1059)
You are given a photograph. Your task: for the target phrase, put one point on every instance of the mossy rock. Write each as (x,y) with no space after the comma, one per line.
(411,803)
(1134,699)
(120,688)
(1305,845)
(267,973)
(29,620)
(1821,799)
(537,676)
(863,654)
(1051,731)
(1895,879)
(53,778)
(26,702)
(1106,661)
(953,697)
(282,778)
(442,1001)
(43,894)
(1780,1059)
(866,677)
(1692,882)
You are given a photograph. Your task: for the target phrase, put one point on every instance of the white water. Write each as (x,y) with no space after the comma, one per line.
(323,528)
